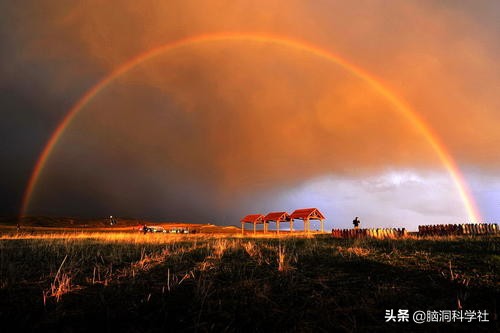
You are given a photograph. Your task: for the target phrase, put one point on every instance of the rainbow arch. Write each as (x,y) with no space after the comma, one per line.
(400,105)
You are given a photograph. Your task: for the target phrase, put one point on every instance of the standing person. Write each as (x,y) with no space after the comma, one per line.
(356,222)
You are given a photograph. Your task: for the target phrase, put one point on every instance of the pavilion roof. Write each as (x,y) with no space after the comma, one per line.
(277,216)
(307,213)
(253,218)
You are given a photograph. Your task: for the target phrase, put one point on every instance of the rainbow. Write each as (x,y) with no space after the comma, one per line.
(400,106)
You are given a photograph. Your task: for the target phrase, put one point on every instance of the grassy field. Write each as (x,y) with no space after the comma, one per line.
(130,282)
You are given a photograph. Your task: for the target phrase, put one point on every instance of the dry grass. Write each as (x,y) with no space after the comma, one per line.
(60,286)
(285,259)
(221,282)
(355,250)
(129,237)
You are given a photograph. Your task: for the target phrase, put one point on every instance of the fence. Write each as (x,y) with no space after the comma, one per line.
(369,233)
(458,229)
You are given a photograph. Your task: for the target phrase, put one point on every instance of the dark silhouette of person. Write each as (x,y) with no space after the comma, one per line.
(356,222)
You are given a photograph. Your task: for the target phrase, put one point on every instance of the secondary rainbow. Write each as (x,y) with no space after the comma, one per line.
(400,105)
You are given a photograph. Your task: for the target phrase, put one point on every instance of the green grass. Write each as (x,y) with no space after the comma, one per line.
(141,283)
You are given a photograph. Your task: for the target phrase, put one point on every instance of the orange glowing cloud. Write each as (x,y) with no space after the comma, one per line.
(250,154)
(246,114)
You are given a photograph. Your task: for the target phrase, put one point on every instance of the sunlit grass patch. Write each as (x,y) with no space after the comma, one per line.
(210,279)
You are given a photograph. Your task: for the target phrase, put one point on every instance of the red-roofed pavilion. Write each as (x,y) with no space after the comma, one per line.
(253,218)
(278,217)
(306,215)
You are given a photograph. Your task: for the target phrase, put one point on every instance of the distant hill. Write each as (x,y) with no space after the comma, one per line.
(216,229)
(73,222)
(68,222)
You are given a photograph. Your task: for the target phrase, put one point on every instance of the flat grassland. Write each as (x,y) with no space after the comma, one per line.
(132,282)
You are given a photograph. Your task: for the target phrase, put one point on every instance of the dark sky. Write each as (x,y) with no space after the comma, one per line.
(215,131)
